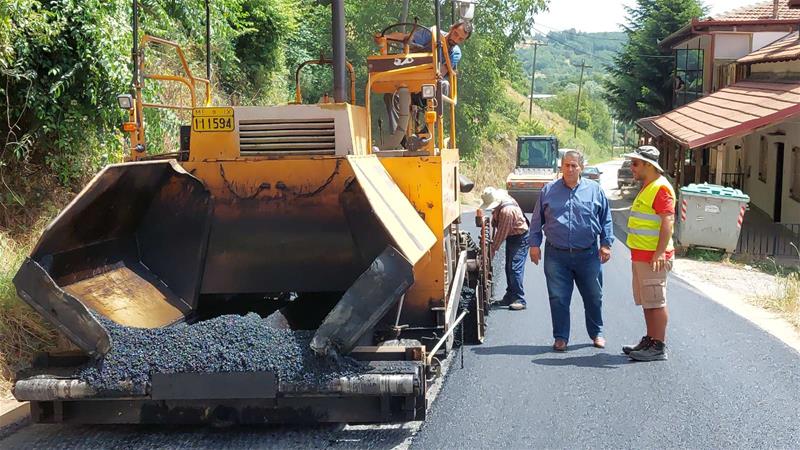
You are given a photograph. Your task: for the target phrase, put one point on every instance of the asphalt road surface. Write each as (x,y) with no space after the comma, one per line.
(727,384)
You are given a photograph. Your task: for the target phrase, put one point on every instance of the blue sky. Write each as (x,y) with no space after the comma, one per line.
(605,15)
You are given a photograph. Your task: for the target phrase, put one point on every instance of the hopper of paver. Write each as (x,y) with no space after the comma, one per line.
(129,247)
(329,243)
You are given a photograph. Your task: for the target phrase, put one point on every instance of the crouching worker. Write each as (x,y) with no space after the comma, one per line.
(510,226)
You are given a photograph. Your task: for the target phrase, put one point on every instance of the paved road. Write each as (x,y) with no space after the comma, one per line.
(727,383)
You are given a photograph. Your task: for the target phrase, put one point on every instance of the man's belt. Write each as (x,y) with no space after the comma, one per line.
(570,250)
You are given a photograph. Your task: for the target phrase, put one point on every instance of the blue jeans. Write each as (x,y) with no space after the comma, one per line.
(563,270)
(516,256)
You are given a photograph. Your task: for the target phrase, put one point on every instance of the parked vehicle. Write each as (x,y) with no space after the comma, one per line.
(592,173)
(537,165)
(625,176)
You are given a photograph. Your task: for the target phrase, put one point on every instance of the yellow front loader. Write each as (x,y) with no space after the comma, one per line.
(293,212)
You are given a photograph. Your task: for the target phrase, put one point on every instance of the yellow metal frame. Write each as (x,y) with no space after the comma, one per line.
(417,74)
(136,114)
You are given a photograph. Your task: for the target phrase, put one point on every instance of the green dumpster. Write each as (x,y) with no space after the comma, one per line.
(711,216)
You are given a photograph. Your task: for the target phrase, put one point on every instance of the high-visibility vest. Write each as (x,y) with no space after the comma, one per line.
(644,225)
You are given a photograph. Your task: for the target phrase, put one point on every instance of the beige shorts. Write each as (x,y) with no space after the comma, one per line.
(649,288)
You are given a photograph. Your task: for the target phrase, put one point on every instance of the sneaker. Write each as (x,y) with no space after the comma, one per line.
(517,306)
(644,343)
(503,302)
(656,351)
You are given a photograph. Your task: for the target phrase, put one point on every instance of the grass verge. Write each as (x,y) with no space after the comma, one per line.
(786,301)
(22,332)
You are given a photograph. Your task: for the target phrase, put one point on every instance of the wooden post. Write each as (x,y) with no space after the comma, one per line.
(681,167)
(697,155)
(721,150)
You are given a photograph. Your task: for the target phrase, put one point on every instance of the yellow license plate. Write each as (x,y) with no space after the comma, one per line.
(212,119)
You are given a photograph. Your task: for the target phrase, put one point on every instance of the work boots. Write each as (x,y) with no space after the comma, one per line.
(656,351)
(644,343)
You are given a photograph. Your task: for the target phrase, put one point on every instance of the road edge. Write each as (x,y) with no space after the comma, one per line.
(433,393)
(766,320)
(13,417)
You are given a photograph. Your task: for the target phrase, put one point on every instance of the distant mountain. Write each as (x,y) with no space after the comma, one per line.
(556,62)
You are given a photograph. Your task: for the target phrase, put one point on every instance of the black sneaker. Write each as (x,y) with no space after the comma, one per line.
(656,351)
(644,343)
(503,302)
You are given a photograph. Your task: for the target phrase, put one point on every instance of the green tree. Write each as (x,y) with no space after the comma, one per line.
(593,115)
(62,63)
(640,82)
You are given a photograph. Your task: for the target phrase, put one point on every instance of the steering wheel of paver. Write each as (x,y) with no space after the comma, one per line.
(414,27)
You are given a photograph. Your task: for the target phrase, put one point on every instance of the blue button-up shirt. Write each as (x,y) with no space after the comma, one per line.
(572,218)
(423,37)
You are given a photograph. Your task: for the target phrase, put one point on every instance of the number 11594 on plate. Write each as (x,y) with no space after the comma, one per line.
(212,119)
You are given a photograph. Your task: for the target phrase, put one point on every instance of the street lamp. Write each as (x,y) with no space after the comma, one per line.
(466,8)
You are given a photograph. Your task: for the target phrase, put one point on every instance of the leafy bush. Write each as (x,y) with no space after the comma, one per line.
(62,63)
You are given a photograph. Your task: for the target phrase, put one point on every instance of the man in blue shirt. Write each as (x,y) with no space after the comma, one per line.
(574,214)
(459,32)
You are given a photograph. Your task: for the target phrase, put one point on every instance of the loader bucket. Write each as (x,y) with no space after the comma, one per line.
(129,247)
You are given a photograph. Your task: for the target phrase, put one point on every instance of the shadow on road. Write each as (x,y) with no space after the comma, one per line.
(521,350)
(599,361)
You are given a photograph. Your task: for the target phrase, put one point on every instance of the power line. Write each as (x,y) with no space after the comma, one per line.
(575,49)
(579,33)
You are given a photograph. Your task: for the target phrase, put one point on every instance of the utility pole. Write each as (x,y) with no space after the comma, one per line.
(578,105)
(613,135)
(536,45)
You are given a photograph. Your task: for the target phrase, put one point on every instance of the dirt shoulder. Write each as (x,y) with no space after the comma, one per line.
(742,290)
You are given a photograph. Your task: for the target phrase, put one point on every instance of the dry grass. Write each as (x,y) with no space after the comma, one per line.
(786,300)
(22,332)
(491,168)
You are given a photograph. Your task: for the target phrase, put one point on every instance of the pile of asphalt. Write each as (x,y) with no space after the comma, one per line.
(467,298)
(229,343)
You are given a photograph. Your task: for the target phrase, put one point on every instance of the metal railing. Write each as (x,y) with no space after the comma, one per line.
(733,180)
(770,240)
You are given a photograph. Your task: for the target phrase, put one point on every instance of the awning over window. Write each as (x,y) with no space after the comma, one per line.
(648,126)
(734,111)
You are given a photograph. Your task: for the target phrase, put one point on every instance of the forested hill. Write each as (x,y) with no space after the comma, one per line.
(558,72)
(557,63)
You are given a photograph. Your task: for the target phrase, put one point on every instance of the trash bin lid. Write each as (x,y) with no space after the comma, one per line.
(715,190)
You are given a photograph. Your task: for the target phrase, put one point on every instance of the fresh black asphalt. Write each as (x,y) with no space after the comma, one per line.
(727,383)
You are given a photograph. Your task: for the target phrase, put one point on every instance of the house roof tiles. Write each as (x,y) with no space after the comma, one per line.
(730,112)
(785,49)
(759,11)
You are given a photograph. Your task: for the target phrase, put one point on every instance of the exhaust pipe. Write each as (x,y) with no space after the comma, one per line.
(337,32)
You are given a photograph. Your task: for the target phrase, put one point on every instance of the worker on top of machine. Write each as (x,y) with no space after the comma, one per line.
(400,103)
(511,226)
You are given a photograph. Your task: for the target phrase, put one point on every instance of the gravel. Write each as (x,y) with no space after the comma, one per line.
(228,343)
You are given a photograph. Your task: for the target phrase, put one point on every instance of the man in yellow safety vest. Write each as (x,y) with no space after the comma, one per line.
(650,226)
